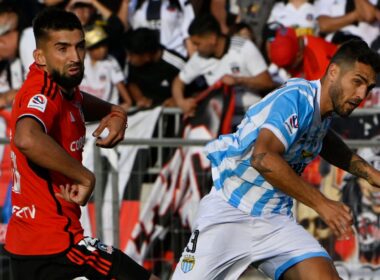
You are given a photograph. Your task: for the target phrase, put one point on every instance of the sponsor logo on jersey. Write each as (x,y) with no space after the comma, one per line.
(291,124)
(38,102)
(77,145)
(25,212)
(187,263)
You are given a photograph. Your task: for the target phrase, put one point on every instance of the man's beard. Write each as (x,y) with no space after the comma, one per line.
(65,81)
(336,93)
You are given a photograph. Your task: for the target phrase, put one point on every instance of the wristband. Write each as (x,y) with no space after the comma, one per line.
(119,114)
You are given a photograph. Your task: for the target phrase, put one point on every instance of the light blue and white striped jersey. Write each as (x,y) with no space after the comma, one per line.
(292,113)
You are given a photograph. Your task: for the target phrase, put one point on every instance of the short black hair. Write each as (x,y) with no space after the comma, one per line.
(204,24)
(142,41)
(54,19)
(356,50)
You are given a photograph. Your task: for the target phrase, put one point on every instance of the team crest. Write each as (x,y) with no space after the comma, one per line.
(235,69)
(309,17)
(39,102)
(187,263)
(291,124)
(102,78)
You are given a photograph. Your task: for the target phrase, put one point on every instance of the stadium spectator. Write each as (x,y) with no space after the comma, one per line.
(11,70)
(171,19)
(305,56)
(339,19)
(152,68)
(45,238)
(226,12)
(92,12)
(103,76)
(256,174)
(221,58)
(243,30)
(297,14)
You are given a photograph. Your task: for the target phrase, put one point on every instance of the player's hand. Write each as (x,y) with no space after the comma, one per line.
(188,106)
(338,217)
(115,123)
(170,102)
(125,106)
(228,80)
(144,102)
(75,193)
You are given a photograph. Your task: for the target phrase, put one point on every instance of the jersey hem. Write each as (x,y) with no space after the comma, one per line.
(17,256)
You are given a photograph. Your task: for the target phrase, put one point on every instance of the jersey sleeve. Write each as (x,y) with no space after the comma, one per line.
(117,75)
(322,8)
(39,107)
(256,63)
(191,69)
(274,14)
(188,16)
(289,115)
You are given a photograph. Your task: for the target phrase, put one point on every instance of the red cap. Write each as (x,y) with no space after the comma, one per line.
(283,49)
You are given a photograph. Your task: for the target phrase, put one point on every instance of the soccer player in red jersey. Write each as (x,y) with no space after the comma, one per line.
(45,238)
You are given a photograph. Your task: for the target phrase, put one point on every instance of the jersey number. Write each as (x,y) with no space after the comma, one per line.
(193,241)
(16,175)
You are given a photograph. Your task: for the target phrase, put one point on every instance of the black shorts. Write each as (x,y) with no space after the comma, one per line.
(89,258)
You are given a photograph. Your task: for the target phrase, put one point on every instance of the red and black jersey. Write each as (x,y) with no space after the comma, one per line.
(42,224)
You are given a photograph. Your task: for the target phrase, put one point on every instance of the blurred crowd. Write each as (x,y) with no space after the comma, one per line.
(145,53)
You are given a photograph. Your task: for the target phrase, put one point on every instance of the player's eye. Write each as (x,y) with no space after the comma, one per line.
(62,49)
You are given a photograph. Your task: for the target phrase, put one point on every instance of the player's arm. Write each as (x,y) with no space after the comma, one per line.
(262,81)
(329,24)
(112,117)
(138,96)
(267,159)
(337,153)
(188,105)
(40,148)
(124,94)
(366,10)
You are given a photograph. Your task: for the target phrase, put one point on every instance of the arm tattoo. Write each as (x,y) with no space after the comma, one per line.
(256,162)
(358,167)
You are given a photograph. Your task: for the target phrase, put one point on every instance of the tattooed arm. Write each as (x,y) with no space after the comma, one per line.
(268,160)
(336,152)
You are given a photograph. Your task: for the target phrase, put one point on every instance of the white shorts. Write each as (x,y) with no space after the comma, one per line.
(226,241)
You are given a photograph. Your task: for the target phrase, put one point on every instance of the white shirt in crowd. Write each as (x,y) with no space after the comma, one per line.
(242,59)
(303,18)
(100,79)
(26,48)
(173,25)
(16,78)
(336,8)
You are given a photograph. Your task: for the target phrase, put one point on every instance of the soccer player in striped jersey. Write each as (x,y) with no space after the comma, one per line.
(45,238)
(247,217)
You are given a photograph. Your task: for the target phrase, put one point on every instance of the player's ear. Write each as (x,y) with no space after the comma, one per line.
(333,72)
(39,57)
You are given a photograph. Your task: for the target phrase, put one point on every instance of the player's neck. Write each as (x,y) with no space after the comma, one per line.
(326,106)
(68,93)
